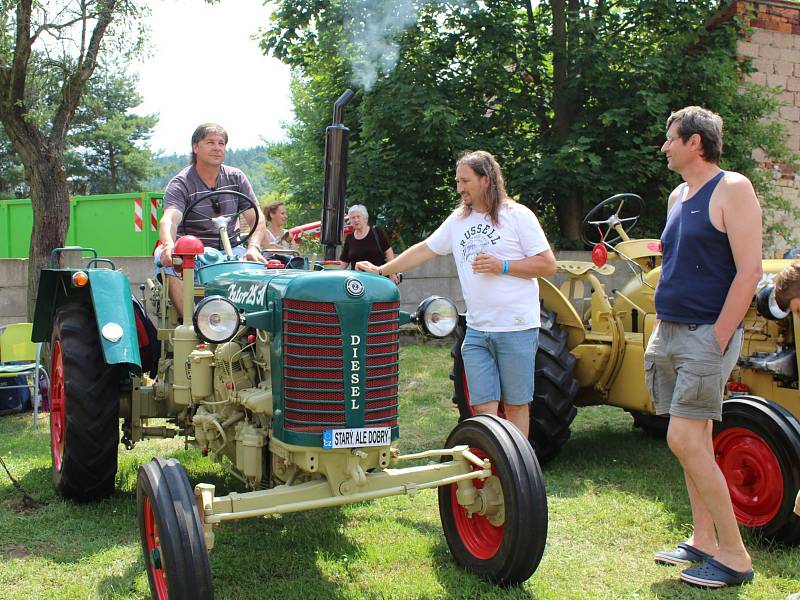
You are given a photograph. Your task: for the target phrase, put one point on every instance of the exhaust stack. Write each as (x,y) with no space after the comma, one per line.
(333,204)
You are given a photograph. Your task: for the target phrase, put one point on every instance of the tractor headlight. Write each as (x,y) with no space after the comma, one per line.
(216,319)
(437,316)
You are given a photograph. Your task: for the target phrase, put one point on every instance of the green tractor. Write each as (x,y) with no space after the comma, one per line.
(591,352)
(288,375)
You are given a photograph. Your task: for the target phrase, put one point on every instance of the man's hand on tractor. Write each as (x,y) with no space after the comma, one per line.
(254,253)
(368,267)
(166,254)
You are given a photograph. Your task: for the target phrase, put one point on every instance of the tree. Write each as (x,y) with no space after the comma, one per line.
(69,35)
(12,177)
(103,152)
(108,139)
(571,95)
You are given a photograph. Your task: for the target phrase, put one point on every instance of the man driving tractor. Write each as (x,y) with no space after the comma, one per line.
(188,210)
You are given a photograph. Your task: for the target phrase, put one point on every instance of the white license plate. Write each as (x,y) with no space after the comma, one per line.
(356,438)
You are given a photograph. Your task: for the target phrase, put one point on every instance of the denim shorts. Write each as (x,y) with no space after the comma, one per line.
(237,251)
(499,365)
(686,370)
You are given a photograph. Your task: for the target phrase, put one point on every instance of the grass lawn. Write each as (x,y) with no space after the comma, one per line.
(615,497)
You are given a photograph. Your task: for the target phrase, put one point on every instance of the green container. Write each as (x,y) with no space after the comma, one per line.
(113,224)
(16,224)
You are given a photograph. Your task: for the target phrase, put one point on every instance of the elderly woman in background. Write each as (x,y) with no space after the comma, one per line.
(366,242)
(277,236)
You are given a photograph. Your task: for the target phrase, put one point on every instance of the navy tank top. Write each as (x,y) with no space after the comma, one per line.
(697,268)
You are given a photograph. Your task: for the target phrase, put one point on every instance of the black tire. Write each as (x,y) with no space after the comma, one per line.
(555,387)
(653,425)
(84,407)
(173,544)
(507,553)
(757,446)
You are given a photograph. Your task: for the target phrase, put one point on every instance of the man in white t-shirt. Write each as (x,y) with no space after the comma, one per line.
(500,249)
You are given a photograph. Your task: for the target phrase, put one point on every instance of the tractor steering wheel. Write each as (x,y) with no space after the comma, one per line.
(221,219)
(622,210)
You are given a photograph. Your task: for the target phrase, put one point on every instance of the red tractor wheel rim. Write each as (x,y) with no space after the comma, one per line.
(57,414)
(753,474)
(479,536)
(155,557)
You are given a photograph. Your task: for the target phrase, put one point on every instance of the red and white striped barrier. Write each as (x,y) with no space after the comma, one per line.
(138,217)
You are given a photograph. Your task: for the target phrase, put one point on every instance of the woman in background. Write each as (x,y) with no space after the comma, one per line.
(277,236)
(365,242)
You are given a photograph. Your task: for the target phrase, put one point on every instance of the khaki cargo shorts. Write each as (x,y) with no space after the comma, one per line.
(686,370)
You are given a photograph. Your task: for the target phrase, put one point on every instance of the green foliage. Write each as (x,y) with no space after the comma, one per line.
(253,161)
(108,139)
(105,151)
(482,75)
(12,176)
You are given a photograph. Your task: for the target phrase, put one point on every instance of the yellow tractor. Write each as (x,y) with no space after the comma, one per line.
(591,352)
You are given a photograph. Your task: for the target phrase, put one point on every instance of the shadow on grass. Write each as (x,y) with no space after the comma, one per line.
(281,556)
(674,588)
(610,454)
(458,583)
(274,556)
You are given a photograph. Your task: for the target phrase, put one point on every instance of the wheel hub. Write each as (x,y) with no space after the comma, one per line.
(491,499)
(753,475)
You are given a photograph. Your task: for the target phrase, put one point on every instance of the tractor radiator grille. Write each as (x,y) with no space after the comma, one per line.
(314,390)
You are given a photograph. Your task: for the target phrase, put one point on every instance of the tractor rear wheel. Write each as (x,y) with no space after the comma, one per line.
(555,387)
(84,407)
(506,543)
(757,446)
(174,547)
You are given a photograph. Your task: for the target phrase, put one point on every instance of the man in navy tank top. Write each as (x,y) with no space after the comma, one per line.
(711,265)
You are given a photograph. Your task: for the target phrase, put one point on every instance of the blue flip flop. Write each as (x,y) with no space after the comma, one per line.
(684,554)
(713,574)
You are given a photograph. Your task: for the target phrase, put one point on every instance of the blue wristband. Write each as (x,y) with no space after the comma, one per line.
(505,267)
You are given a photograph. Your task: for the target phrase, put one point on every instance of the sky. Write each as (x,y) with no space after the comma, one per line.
(203,67)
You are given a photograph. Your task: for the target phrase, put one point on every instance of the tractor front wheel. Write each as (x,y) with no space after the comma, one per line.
(84,407)
(757,447)
(174,547)
(502,537)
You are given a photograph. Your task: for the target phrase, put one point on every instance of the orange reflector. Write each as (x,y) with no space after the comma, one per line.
(737,387)
(79,279)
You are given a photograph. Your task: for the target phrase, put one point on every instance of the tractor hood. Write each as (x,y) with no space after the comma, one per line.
(254,289)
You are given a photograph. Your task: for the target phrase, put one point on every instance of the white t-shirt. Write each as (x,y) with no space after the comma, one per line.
(494,302)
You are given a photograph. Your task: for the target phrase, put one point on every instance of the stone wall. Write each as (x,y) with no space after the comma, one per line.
(774,49)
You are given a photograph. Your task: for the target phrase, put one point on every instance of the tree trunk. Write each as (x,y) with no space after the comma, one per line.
(568,206)
(50,203)
(570,212)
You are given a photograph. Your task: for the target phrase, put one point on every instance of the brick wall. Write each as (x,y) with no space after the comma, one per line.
(774,49)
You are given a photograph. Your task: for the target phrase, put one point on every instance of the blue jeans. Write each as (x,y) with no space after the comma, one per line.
(499,365)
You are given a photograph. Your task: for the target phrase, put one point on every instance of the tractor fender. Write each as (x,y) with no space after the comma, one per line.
(553,300)
(110,295)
